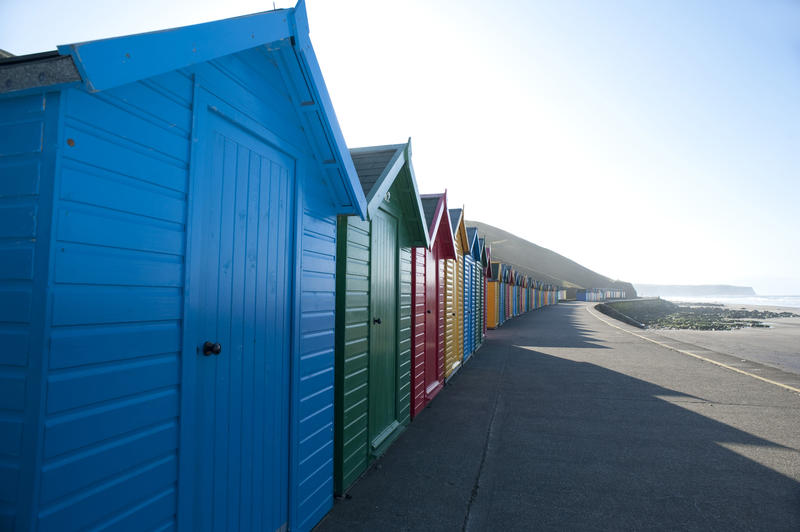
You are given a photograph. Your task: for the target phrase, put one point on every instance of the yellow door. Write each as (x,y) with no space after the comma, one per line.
(451,358)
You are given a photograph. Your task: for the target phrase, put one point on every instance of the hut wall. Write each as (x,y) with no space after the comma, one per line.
(360,402)
(418,328)
(95,220)
(451,353)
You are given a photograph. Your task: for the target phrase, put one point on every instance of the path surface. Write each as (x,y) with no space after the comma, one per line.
(562,422)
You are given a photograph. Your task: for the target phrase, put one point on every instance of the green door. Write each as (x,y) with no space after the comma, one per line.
(383,413)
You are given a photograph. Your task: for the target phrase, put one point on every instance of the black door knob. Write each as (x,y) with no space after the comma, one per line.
(428,311)
(376,320)
(210,348)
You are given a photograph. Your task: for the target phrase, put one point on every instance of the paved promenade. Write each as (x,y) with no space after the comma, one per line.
(563,422)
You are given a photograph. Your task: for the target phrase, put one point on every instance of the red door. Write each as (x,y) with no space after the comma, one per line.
(431,326)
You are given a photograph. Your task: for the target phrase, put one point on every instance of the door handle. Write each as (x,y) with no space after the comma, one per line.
(428,311)
(210,348)
(376,321)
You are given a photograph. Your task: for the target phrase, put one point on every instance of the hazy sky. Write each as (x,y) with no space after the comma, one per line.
(652,141)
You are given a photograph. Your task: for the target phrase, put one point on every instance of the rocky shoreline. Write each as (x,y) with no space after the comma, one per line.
(663,314)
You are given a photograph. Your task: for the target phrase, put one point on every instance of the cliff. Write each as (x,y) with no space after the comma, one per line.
(666,290)
(542,263)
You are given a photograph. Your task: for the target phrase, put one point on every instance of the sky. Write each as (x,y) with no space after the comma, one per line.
(653,142)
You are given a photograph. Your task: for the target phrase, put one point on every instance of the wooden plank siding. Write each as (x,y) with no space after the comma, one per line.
(418,331)
(28,137)
(373,390)
(113,378)
(452,361)
(352,345)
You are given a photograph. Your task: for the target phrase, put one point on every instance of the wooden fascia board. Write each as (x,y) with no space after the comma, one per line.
(461,232)
(474,250)
(385,182)
(319,90)
(400,167)
(108,63)
(433,230)
(442,218)
(416,200)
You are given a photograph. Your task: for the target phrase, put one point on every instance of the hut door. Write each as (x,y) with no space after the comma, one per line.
(240,288)
(383,329)
(431,324)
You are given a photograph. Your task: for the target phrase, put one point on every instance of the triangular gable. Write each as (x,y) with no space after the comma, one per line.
(438,219)
(506,273)
(107,63)
(488,260)
(459,230)
(380,168)
(472,238)
(496,271)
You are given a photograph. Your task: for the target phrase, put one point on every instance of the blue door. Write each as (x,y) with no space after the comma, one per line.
(239,320)
(469,305)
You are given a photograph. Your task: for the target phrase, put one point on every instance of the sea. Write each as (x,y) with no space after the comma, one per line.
(767,301)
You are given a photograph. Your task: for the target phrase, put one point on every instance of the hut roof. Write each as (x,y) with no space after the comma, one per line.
(107,63)
(381,168)
(438,219)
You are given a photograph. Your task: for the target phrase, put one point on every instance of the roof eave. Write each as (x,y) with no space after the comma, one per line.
(422,226)
(108,63)
(305,52)
(385,182)
(442,223)
(401,159)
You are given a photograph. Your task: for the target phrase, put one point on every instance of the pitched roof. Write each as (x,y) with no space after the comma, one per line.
(442,240)
(370,164)
(381,168)
(107,63)
(429,204)
(455,216)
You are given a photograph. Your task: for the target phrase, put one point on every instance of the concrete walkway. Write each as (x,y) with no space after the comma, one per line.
(562,422)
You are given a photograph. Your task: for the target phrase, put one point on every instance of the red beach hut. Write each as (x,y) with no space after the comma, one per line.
(427,302)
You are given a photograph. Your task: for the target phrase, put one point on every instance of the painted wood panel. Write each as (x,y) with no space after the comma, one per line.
(120,216)
(441,288)
(434,321)
(404,338)
(479,305)
(452,360)
(28,137)
(419,323)
(352,345)
(469,305)
(246,296)
(459,298)
(383,370)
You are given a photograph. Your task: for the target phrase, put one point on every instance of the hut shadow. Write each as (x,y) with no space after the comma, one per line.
(596,449)
(553,326)
(571,445)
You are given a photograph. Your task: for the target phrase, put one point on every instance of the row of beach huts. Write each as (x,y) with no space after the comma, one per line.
(599,294)
(214,314)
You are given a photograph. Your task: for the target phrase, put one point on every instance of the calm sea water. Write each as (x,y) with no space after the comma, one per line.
(769,301)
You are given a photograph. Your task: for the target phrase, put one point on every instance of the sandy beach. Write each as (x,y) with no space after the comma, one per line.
(777,346)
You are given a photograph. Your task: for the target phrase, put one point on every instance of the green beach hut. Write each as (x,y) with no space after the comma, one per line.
(373,310)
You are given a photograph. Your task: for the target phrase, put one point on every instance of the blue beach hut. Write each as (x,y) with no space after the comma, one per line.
(469,295)
(168,219)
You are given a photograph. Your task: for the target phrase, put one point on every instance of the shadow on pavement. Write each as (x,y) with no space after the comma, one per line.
(522,440)
(571,336)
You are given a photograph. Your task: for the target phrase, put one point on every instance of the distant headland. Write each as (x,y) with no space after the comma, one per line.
(667,290)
